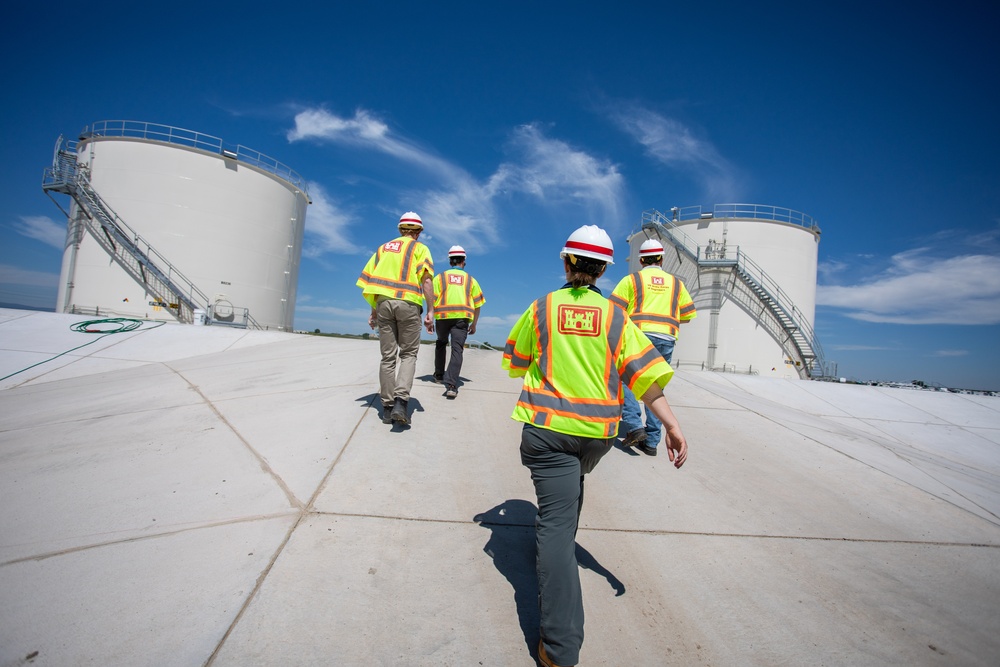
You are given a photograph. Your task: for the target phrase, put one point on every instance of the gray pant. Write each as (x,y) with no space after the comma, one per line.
(458,329)
(558,463)
(398,331)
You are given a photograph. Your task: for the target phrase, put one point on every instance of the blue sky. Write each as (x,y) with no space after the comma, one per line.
(507,125)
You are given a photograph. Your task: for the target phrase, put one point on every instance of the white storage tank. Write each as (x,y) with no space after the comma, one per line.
(225,218)
(751,270)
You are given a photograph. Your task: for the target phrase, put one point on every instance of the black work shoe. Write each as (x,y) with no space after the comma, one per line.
(636,438)
(386,410)
(399,412)
(651,451)
(438,378)
(452,391)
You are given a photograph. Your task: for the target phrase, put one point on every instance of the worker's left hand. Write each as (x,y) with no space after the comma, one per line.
(429,323)
(472,329)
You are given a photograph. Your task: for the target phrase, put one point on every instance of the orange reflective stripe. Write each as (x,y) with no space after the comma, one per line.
(618,301)
(449,300)
(615,335)
(638,364)
(582,409)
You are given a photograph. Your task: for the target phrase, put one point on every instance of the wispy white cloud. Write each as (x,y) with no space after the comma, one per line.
(831,268)
(321,124)
(326,226)
(920,289)
(365,130)
(556,173)
(42,228)
(675,145)
(951,353)
(15,275)
(460,207)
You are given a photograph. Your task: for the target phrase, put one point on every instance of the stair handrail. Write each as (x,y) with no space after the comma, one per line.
(751,273)
(653,219)
(194,297)
(785,304)
(68,176)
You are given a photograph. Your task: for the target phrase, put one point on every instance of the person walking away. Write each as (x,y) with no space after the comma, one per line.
(658,303)
(575,350)
(395,282)
(457,300)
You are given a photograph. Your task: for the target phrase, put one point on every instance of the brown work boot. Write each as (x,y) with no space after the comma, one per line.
(543,657)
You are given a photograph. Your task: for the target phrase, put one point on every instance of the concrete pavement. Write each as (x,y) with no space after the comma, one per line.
(186,495)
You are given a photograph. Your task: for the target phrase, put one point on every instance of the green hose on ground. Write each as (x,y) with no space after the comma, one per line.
(111,325)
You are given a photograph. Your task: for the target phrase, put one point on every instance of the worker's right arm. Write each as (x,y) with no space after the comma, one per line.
(427,286)
(677,447)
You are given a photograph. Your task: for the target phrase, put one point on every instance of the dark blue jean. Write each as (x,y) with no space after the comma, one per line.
(632,412)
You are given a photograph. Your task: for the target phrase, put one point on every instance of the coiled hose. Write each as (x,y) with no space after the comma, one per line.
(111,325)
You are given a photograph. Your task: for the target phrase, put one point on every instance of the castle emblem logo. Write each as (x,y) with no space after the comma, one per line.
(579,320)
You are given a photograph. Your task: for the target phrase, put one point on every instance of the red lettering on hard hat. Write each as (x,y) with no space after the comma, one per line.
(579,320)
(393,246)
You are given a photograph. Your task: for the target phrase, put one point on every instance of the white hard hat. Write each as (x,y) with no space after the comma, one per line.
(456,251)
(590,241)
(410,220)
(650,248)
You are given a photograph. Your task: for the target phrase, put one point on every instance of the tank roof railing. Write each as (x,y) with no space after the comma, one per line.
(135,129)
(746,212)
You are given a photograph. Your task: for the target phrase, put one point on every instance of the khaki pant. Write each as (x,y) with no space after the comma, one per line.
(398,331)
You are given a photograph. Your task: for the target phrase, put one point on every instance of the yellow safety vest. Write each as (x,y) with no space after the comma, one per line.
(655,300)
(456,295)
(395,271)
(574,350)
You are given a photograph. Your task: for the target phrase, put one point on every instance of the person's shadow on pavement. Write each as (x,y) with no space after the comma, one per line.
(512,548)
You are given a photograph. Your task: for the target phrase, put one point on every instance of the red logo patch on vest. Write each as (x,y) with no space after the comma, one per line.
(393,246)
(579,320)
(656,280)
(456,279)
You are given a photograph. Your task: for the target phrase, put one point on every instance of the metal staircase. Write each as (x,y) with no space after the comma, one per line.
(168,286)
(753,288)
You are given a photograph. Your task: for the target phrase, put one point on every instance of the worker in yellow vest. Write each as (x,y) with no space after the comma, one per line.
(457,300)
(575,350)
(658,303)
(395,282)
